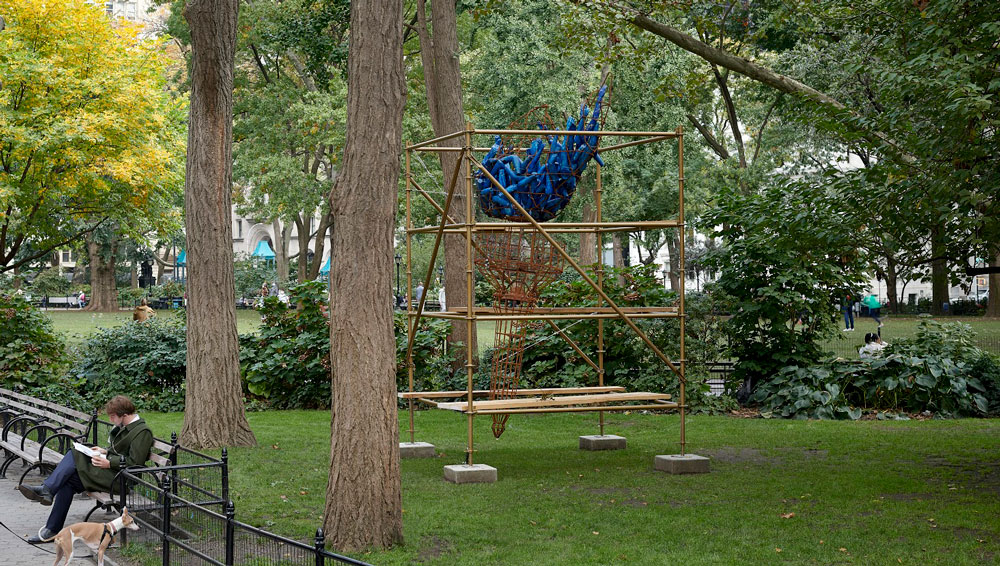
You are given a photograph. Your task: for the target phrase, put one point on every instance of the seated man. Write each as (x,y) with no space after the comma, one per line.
(128,445)
(142,313)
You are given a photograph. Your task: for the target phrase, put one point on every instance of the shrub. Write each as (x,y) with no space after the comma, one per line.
(146,360)
(288,361)
(628,361)
(432,360)
(31,353)
(939,370)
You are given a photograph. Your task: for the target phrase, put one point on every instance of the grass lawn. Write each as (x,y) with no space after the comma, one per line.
(781,492)
(75,324)
(846,344)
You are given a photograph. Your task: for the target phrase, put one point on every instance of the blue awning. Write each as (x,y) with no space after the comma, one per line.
(263,250)
(326,267)
(181,258)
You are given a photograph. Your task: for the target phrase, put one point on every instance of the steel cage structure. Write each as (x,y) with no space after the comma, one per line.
(598,399)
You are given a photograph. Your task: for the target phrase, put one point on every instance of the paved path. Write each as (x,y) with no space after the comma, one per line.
(24,517)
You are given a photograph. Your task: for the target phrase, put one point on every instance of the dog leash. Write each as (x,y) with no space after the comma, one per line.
(24,540)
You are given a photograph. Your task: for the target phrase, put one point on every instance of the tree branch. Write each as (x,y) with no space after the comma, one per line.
(763,75)
(709,138)
(760,134)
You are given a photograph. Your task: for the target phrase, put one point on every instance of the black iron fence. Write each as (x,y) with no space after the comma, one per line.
(189,527)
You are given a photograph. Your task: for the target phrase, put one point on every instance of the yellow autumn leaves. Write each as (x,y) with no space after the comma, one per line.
(85,117)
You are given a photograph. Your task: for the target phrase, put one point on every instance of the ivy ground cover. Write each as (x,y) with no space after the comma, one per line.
(780,492)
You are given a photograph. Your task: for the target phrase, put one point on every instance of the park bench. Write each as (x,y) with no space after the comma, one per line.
(40,433)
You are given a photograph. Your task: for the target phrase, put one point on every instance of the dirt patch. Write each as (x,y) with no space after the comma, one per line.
(745,413)
(433,547)
(740,456)
(909,496)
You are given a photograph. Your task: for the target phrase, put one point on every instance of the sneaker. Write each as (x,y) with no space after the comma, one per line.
(847,330)
(44,535)
(38,493)
(880,325)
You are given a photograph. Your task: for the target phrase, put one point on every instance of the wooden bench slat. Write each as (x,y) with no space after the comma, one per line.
(556,401)
(519,392)
(61,408)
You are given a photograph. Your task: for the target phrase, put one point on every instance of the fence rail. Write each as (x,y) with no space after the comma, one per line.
(188,532)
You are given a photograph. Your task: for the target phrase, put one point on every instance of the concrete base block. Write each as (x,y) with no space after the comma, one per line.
(682,464)
(476,473)
(602,442)
(416,450)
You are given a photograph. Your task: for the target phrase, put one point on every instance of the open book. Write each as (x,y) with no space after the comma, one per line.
(85,449)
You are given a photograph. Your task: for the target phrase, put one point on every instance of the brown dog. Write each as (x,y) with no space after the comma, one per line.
(97,536)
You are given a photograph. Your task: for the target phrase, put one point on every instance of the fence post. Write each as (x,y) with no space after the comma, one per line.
(94,414)
(225,475)
(320,548)
(124,503)
(230,533)
(165,521)
(173,454)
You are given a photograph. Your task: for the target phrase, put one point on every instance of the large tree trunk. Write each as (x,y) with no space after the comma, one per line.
(939,273)
(618,257)
(993,304)
(443,80)
(890,284)
(321,234)
(363,497)
(103,290)
(303,225)
(280,250)
(674,256)
(214,414)
(588,240)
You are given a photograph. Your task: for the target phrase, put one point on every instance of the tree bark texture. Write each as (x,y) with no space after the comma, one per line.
(891,281)
(674,257)
(363,498)
(443,79)
(939,272)
(103,289)
(214,414)
(588,240)
(993,304)
(280,250)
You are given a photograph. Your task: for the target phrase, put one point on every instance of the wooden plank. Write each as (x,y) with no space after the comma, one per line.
(594,399)
(47,415)
(574,310)
(519,392)
(60,408)
(660,406)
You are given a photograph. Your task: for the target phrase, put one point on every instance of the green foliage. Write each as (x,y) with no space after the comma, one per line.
(146,360)
(49,283)
(251,274)
(432,359)
(288,361)
(939,370)
(550,362)
(31,353)
(790,253)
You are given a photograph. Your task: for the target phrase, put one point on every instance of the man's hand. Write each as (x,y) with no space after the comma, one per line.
(100,462)
(101,450)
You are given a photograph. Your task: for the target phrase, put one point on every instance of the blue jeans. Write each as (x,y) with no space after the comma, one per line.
(63,483)
(848,317)
(877,315)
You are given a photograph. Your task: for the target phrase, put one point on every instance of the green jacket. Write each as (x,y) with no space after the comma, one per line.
(127,447)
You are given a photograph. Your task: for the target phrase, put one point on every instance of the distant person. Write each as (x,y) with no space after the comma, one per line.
(847,306)
(873,345)
(418,293)
(82,302)
(441,298)
(143,312)
(874,308)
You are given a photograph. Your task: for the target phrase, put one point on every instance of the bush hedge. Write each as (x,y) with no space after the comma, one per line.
(148,360)
(939,370)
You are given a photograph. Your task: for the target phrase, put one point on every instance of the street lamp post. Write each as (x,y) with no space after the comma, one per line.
(398,260)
